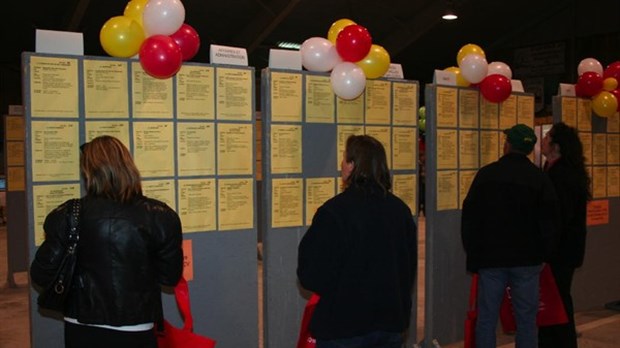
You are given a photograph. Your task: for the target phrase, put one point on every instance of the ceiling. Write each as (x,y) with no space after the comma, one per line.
(410,30)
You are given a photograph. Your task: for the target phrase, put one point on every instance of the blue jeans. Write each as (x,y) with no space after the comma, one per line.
(523,282)
(375,339)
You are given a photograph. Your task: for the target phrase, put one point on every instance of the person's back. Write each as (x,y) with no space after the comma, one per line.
(369,288)
(507,229)
(508,193)
(125,252)
(359,255)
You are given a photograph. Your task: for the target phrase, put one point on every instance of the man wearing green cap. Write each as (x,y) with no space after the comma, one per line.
(508,233)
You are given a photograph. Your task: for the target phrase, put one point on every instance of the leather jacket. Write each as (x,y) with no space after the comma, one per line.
(126,251)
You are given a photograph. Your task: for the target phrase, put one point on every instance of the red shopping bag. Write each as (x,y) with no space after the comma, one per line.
(173,337)
(550,307)
(469,339)
(305,339)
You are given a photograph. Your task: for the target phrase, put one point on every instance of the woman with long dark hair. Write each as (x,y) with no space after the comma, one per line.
(565,165)
(129,245)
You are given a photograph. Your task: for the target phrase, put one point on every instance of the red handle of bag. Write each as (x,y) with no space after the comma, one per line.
(181,294)
(473,292)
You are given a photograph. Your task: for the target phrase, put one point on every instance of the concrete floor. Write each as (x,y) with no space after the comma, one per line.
(598,327)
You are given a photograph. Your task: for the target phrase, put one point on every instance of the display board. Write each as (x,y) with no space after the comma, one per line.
(14,203)
(463,134)
(305,127)
(192,138)
(600,138)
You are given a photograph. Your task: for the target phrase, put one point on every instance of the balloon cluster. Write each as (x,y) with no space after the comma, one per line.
(155,30)
(350,55)
(493,79)
(600,85)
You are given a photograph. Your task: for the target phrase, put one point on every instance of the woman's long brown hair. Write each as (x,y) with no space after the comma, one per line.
(109,170)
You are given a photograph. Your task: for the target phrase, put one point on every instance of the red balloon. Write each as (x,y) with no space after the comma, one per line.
(353,43)
(496,88)
(589,84)
(612,70)
(160,56)
(187,38)
(616,93)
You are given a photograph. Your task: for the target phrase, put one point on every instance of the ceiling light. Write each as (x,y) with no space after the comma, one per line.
(450,14)
(286,44)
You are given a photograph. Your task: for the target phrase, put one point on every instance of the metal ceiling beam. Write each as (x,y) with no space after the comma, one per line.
(78,14)
(264,23)
(414,29)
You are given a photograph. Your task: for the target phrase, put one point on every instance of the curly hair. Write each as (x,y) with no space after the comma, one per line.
(571,150)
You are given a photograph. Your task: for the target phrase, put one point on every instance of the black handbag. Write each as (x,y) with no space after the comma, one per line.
(53,297)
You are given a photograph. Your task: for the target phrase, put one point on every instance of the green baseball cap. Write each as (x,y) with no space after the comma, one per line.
(521,137)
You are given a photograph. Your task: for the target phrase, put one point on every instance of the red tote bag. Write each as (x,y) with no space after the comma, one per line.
(173,337)
(550,307)
(305,339)
(469,339)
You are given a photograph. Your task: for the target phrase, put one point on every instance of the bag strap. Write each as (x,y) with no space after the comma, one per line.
(473,292)
(181,293)
(74,231)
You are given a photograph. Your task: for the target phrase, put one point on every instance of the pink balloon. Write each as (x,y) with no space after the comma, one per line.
(589,65)
(353,43)
(160,56)
(474,68)
(348,80)
(162,17)
(499,68)
(188,40)
(319,54)
(496,88)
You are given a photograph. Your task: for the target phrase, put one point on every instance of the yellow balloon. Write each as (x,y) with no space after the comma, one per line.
(469,49)
(121,37)
(610,83)
(460,80)
(337,27)
(376,63)
(604,104)
(134,10)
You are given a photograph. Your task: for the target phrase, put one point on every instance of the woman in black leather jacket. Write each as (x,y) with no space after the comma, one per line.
(129,245)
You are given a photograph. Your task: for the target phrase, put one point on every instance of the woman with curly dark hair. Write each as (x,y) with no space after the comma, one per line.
(565,165)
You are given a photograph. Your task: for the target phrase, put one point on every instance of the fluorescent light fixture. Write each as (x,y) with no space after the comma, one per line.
(290,45)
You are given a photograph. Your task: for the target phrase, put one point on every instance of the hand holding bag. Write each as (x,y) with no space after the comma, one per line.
(172,337)
(305,339)
(54,296)
(469,339)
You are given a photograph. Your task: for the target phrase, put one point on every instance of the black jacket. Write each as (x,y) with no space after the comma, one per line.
(509,215)
(573,199)
(125,252)
(360,256)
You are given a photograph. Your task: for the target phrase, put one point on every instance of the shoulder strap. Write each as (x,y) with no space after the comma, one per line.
(74,217)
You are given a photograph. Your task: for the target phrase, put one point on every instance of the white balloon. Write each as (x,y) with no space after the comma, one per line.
(474,67)
(319,54)
(500,68)
(590,64)
(348,80)
(162,17)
